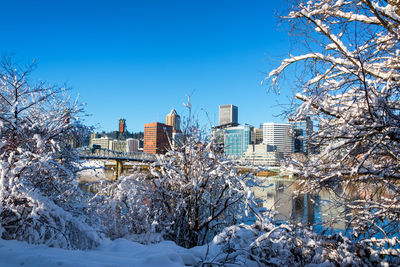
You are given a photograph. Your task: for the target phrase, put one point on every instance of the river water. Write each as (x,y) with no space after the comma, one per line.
(276,195)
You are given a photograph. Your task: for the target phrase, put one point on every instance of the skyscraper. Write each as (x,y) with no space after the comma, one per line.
(156,137)
(278,135)
(228,114)
(173,120)
(303,128)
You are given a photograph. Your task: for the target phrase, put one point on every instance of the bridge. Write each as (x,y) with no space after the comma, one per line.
(97,153)
(107,154)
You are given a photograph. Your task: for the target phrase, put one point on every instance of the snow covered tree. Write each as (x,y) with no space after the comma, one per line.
(40,201)
(197,192)
(351,86)
(190,194)
(266,244)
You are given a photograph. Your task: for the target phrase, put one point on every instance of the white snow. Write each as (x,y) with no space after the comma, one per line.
(261,244)
(120,252)
(92,170)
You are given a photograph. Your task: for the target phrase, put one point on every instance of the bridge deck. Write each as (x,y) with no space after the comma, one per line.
(106,154)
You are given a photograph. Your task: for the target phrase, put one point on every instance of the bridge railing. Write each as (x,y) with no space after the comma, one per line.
(107,153)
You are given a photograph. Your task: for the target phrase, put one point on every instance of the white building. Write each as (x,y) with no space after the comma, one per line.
(128,145)
(103,142)
(119,145)
(132,145)
(257,155)
(279,135)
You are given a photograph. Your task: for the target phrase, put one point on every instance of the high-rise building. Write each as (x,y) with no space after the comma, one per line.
(303,128)
(278,135)
(156,138)
(228,115)
(218,135)
(237,140)
(174,120)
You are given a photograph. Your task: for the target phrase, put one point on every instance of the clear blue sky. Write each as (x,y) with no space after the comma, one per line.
(138,59)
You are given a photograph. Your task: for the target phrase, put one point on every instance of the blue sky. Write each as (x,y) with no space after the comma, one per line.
(138,59)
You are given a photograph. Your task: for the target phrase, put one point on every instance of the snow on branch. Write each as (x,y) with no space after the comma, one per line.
(351,86)
(41,203)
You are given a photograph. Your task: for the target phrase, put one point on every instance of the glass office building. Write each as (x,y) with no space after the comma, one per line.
(279,135)
(237,140)
(302,131)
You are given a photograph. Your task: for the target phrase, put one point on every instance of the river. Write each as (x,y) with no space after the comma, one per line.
(276,195)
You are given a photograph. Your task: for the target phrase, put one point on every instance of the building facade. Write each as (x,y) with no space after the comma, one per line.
(118,145)
(174,120)
(104,142)
(132,144)
(257,136)
(128,145)
(279,135)
(237,140)
(303,129)
(122,126)
(157,138)
(122,132)
(228,114)
(261,154)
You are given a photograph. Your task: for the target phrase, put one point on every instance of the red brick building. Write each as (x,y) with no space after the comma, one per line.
(156,138)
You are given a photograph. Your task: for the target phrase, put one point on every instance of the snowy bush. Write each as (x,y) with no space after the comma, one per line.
(265,244)
(351,86)
(124,210)
(196,193)
(40,202)
(190,194)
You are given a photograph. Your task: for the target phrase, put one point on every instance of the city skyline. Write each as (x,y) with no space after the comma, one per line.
(131,60)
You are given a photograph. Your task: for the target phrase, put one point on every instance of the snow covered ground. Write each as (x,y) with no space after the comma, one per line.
(120,252)
(262,244)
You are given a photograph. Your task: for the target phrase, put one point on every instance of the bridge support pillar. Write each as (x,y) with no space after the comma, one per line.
(119,168)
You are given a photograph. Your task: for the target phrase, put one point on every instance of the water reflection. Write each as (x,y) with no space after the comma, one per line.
(277,196)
